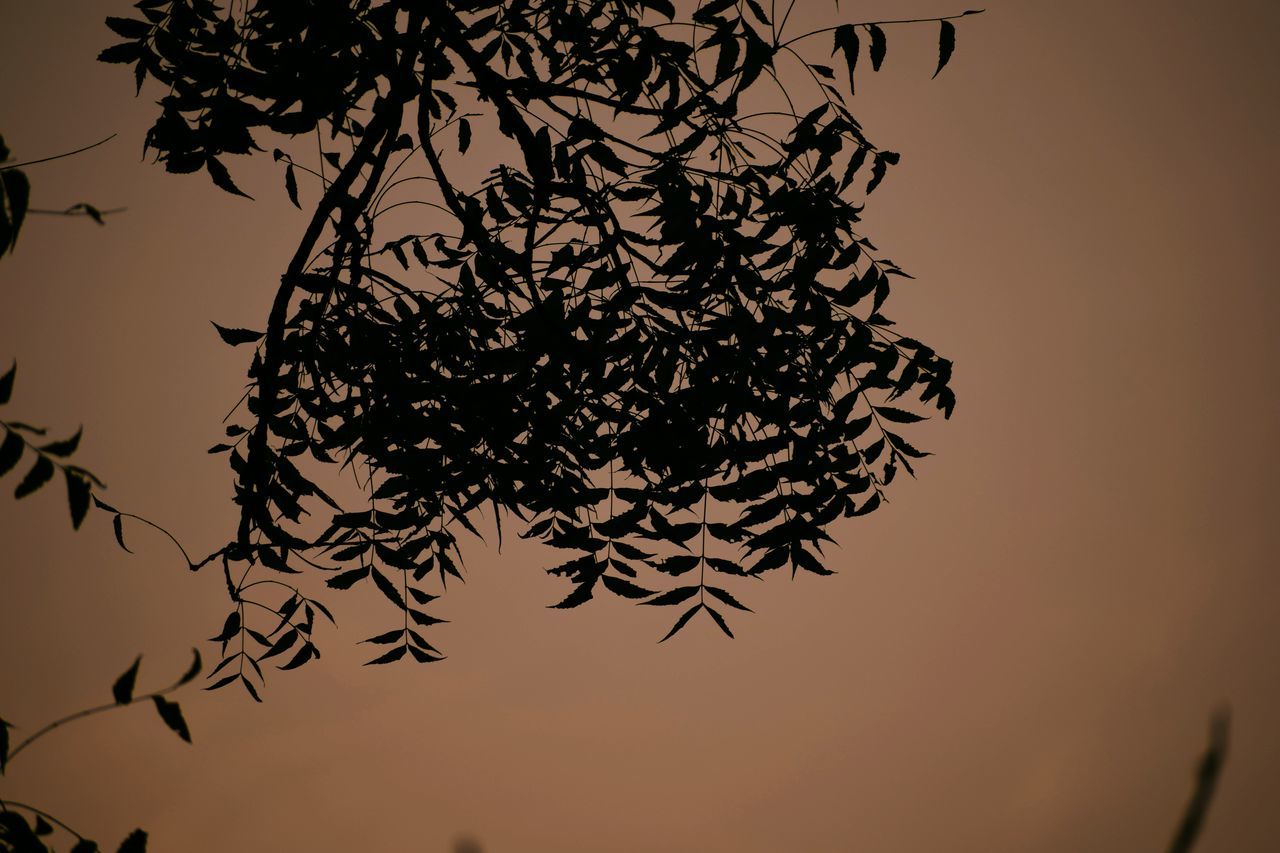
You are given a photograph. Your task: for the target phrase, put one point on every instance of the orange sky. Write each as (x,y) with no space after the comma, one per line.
(1021,650)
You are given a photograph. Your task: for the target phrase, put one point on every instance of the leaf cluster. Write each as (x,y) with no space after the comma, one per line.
(653,335)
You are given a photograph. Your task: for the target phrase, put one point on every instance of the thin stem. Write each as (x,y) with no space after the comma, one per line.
(9,166)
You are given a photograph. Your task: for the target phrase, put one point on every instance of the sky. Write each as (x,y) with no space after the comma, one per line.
(1020,652)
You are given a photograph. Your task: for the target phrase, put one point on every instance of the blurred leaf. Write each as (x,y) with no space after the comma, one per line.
(171,713)
(41,472)
(122,690)
(77,498)
(193,670)
(6,383)
(10,451)
(135,843)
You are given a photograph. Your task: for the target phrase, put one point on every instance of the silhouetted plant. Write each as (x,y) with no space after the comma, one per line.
(28,829)
(653,334)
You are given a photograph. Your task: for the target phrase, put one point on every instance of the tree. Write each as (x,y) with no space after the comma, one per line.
(652,334)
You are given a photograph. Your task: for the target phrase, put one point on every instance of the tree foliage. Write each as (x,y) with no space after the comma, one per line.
(647,328)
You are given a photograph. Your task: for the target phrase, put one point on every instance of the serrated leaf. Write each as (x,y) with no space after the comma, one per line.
(387,638)
(728,599)
(681,622)
(235,337)
(122,690)
(348,578)
(393,655)
(6,383)
(899,416)
(674,596)
(878,46)
(77,497)
(41,472)
(625,588)
(946,45)
(171,713)
(719,620)
(388,588)
(222,178)
(580,595)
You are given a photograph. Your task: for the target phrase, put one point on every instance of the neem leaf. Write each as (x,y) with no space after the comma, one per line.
(291,185)
(674,596)
(946,44)
(135,843)
(728,599)
(171,713)
(222,178)
(193,670)
(901,416)
(117,524)
(393,655)
(625,588)
(681,622)
(10,451)
(580,595)
(464,136)
(122,690)
(77,497)
(878,46)
(6,383)
(235,337)
(347,579)
(40,473)
(63,448)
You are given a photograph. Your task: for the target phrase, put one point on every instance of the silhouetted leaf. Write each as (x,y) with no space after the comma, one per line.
(122,690)
(719,620)
(117,525)
(878,46)
(77,497)
(625,588)
(348,578)
(222,178)
(464,136)
(193,670)
(41,472)
(235,337)
(171,713)
(4,744)
(10,451)
(393,655)
(63,448)
(946,45)
(6,383)
(681,622)
(728,599)
(291,185)
(674,596)
(136,842)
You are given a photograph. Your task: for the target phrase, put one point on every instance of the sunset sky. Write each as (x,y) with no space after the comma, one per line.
(1020,652)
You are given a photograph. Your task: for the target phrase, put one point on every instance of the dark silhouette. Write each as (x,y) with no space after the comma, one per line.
(1206,781)
(653,334)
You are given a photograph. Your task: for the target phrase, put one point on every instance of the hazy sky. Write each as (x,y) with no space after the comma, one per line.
(1020,652)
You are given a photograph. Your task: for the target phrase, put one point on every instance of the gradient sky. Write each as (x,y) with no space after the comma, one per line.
(1020,652)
